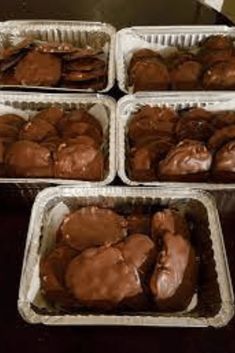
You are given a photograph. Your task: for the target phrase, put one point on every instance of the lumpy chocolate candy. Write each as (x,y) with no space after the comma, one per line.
(220,76)
(92,226)
(139,251)
(217,42)
(189,160)
(169,221)
(150,75)
(174,278)
(186,75)
(224,163)
(37,69)
(221,137)
(144,160)
(37,130)
(52,272)
(79,161)
(28,159)
(100,278)
(51,115)
(196,125)
(152,122)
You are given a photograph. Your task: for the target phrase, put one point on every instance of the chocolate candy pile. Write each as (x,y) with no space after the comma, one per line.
(210,67)
(54,143)
(103,260)
(190,145)
(52,64)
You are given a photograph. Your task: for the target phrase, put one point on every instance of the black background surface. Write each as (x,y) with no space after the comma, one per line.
(15,334)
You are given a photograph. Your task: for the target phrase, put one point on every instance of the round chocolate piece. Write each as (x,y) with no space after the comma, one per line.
(210,57)
(217,42)
(37,69)
(221,137)
(92,226)
(52,273)
(189,157)
(220,76)
(150,75)
(186,76)
(80,161)
(169,221)
(152,122)
(100,278)
(139,251)
(37,130)
(28,159)
(51,115)
(173,282)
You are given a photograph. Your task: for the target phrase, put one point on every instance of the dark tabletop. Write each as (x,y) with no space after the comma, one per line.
(15,334)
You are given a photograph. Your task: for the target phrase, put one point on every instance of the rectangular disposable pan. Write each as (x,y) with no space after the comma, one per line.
(131,103)
(28,104)
(80,33)
(128,40)
(214,302)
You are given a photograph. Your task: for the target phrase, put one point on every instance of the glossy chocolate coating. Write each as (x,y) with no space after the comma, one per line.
(174,278)
(28,159)
(37,69)
(37,130)
(188,157)
(224,118)
(138,222)
(221,137)
(186,75)
(139,251)
(100,278)
(152,122)
(52,273)
(210,57)
(51,115)
(92,226)
(150,75)
(144,160)
(169,221)
(217,42)
(12,119)
(224,160)
(79,161)
(220,76)
(196,127)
